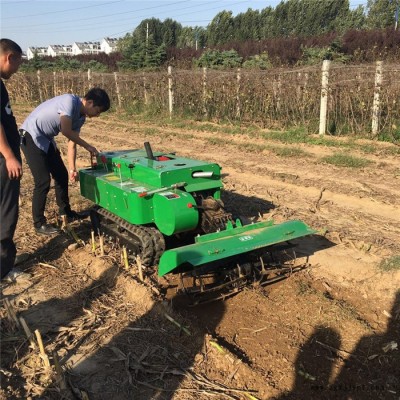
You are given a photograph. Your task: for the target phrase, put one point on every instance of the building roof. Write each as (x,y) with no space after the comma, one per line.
(88,45)
(111,40)
(60,46)
(37,48)
(83,46)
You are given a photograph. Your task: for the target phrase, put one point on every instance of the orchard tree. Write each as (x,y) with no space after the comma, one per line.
(170,32)
(381,13)
(189,36)
(153,55)
(356,20)
(220,30)
(309,18)
(267,24)
(150,26)
(131,49)
(280,25)
(246,26)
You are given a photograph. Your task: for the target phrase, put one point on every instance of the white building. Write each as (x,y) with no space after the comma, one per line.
(56,50)
(39,51)
(86,48)
(108,45)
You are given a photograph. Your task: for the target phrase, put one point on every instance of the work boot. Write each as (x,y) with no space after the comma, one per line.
(15,275)
(21,258)
(47,229)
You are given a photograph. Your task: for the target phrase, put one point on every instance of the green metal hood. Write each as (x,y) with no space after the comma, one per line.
(231,242)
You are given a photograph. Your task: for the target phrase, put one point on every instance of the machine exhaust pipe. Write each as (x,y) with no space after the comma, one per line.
(149,151)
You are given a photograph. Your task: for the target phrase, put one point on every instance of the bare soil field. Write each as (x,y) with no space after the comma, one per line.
(331,331)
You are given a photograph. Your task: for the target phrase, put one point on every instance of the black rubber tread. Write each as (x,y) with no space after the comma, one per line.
(140,233)
(158,243)
(95,219)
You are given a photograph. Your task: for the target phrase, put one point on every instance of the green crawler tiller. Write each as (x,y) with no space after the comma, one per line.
(168,210)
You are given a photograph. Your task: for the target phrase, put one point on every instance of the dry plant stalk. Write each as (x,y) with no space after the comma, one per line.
(250,396)
(101,245)
(70,231)
(183,328)
(47,265)
(28,332)
(125,258)
(74,236)
(43,354)
(93,242)
(339,352)
(59,371)
(11,313)
(64,222)
(139,265)
(319,198)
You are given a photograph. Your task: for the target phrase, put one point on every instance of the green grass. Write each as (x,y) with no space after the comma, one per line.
(151,131)
(291,136)
(299,135)
(217,141)
(253,147)
(392,136)
(345,160)
(206,127)
(390,264)
(289,152)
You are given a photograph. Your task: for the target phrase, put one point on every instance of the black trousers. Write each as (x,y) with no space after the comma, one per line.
(9,196)
(43,165)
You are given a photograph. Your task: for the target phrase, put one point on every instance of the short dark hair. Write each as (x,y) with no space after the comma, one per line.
(99,97)
(9,46)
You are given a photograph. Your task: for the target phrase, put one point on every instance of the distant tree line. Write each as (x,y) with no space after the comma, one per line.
(295,32)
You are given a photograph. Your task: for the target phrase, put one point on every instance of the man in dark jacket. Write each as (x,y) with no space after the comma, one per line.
(10,159)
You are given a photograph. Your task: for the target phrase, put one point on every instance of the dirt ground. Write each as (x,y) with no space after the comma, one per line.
(331,331)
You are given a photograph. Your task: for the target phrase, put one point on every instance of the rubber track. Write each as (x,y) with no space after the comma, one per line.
(158,243)
(147,250)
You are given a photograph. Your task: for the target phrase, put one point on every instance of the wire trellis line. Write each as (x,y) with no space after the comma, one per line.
(276,99)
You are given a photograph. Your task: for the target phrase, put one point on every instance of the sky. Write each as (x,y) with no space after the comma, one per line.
(42,23)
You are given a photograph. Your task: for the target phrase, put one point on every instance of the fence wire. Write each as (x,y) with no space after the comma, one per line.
(278,98)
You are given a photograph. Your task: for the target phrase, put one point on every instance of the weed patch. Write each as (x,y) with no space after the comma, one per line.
(390,264)
(345,160)
(289,152)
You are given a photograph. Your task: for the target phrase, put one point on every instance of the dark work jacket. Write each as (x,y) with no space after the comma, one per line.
(9,123)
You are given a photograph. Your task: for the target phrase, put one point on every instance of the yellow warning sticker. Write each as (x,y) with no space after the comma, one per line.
(112,178)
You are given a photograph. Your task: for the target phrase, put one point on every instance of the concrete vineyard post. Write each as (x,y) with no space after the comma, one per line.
(117,89)
(205,91)
(39,85)
(170,92)
(238,79)
(324,97)
(377,103)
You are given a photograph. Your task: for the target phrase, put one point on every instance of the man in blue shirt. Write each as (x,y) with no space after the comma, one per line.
(66,114)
